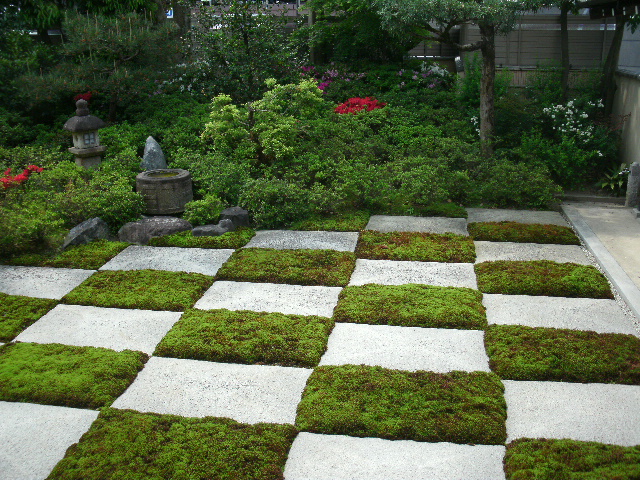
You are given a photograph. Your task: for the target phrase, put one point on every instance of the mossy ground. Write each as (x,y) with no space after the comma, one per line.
(124,444)
(235,239)
(531,459)
(142,289)
(247,337)
(296,267)
(416,246)
(525,353)
(542,277)
(412,306)
(54,374)
(364,401)
(17,313)
(90,256)
(347,222)
(444,209)
(522,232)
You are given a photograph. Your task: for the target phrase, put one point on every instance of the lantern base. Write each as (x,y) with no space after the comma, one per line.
(89,163)
(89,158)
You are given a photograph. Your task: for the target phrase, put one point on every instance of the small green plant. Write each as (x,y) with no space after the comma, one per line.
(615,180)
(203,212)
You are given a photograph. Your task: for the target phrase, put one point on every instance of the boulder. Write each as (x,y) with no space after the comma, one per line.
(239,216)
(87,231)
(223,226)
(141,231)
(153,158)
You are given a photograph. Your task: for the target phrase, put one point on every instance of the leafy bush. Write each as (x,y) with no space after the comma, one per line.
(203,212)
(274,202)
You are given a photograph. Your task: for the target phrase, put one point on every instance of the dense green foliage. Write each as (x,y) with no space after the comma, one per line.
(17,313)
(236,239)
(522,232)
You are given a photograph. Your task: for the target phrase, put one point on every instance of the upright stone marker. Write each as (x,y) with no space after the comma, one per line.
(153,158)
(633,187)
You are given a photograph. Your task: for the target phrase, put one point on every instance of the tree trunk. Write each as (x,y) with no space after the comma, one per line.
(564,49)
(487,84)
(608,88)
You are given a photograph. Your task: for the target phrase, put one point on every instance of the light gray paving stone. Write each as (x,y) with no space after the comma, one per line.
(490,251)
(392,272)
(41,282)
(590,412)
(114,328)
(288,239)
(388,223)
(34,438)
(520,216)
(173,259)
(598,315)
(271,297)
(191,388)
(407,348)
(338,457)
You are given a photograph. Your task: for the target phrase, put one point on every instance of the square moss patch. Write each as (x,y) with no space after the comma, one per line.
(17,313)
(548,354)
(54,374)
(362,401)
(126,444)
(142,289)
(347,222)
(416,246)
(236,239)
(542,277)
(541,458)
(522,233)
(412,306)
(294,267)
(247,337)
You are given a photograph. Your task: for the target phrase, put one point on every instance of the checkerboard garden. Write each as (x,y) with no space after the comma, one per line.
(409,347)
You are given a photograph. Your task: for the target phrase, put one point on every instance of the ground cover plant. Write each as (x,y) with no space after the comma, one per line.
(411,306)
(141,289)
(18,312)
(522,232)
(365,401)
(346,222)
(133,445)
(247,337)
(542,277)
(525,353)
(541,458)
(296,267)
(236,239)
(450,210)
(416,246)
(70,376)
(90,256)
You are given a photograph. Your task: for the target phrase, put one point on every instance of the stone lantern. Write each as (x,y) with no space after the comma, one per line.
(86,143)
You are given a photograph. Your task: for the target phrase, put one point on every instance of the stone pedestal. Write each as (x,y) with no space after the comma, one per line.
(88,157)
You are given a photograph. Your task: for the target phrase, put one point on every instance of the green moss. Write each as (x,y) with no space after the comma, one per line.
(54,374)
(90,256)
(247,337)
(522,232)
(123,444)
(347,222)
(416,246)
(447,209)
(17,313)
(363,401)
(411,306)
(524,353)
(546,459)
(296,267)
(143,289)
(236,239)
(542,277)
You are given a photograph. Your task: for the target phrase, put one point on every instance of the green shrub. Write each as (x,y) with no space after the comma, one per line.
(275,203)
(204,211)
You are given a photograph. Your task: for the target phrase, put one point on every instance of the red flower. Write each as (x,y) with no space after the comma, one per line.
(356,104)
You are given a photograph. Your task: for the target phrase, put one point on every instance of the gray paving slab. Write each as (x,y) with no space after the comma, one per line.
(520,216)
(41,282)
(193,260)
(191,388)
(407,348)
(590,412)
(389,223)
(391,272)
(290,239)
(597,315)
(338,457)
(34,438)
(114,328)
(271,297)
(491,251)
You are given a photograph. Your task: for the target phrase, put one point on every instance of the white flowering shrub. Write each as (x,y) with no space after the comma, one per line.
(575,122)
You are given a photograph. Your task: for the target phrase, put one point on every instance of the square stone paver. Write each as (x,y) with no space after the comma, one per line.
(191,388)
(388,223)
(407,348)
(520,216)
(193,260)
(598,315)
(288,239)
(114,328)
(593,412)
(490,251)
(41,282)
(322,457)
(391,272)
(271,297)
(34,438)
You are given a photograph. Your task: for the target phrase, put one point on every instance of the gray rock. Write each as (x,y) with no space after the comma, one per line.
(87,231)
(153,158)
(223,226)
(239,216)
(141,231)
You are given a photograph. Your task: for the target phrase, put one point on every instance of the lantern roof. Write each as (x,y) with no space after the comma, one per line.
(83,121)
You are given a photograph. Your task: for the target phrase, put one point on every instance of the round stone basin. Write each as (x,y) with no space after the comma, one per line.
(165,191)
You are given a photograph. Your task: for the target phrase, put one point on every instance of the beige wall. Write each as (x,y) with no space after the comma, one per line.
(628,101)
